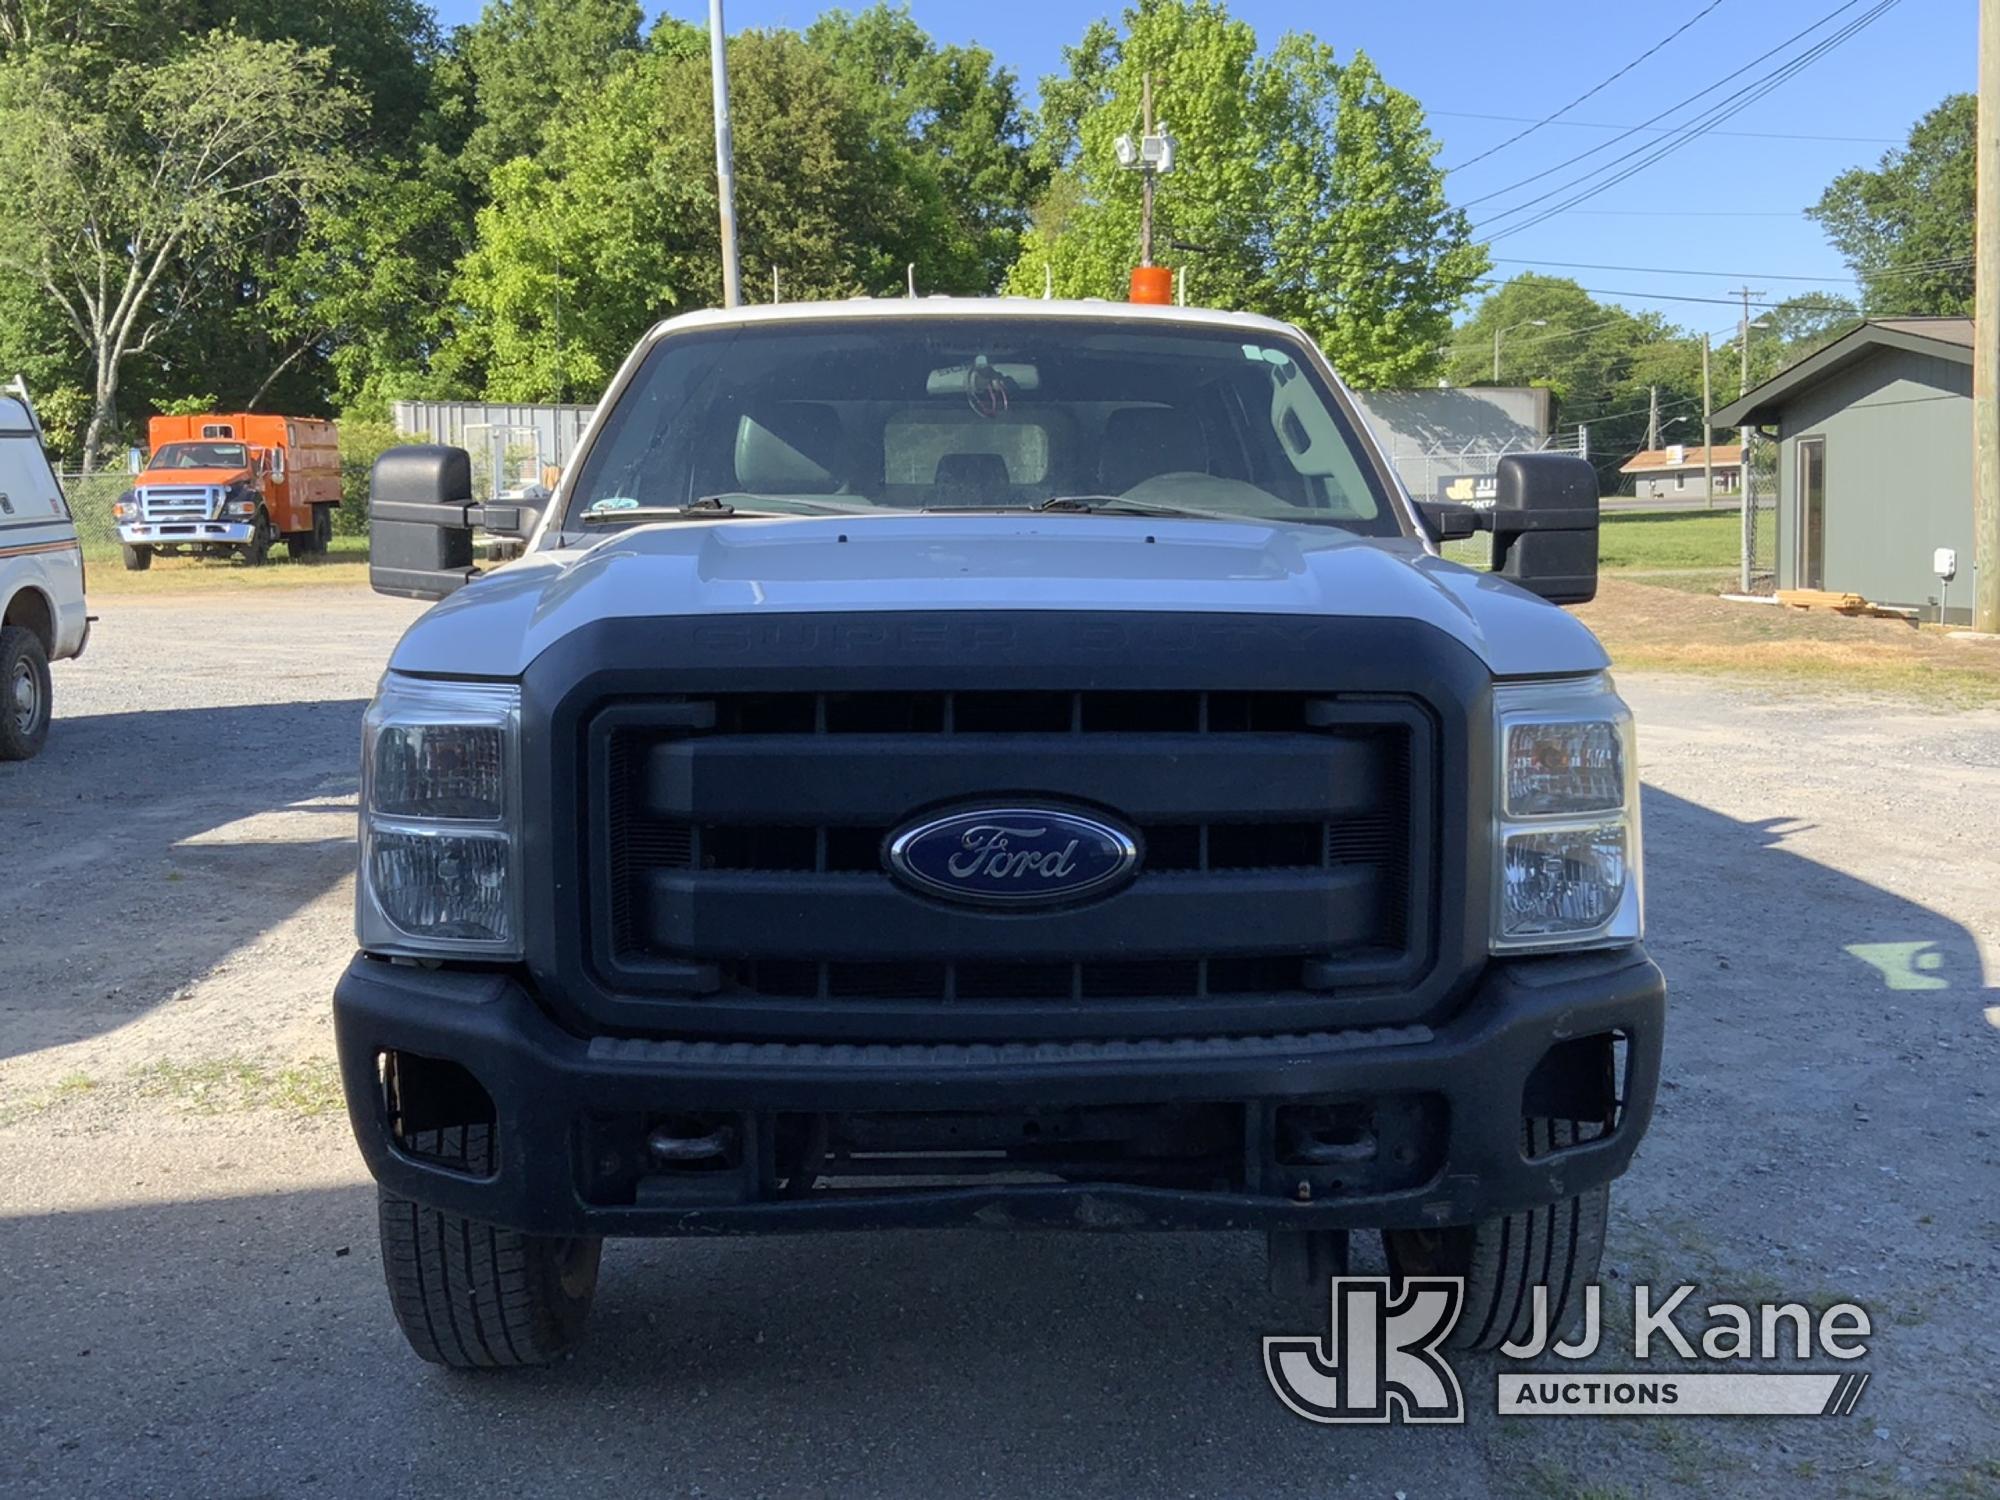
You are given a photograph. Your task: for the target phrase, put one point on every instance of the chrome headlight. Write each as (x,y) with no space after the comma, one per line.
(1566,829)
(440,820)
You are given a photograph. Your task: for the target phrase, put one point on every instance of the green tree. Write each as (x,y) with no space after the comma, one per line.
(1783,335)
(31,25)
(572,264)
(1906,227)
(523,60)
(959,114)
(120,182)
(1309,185)
(1601,362)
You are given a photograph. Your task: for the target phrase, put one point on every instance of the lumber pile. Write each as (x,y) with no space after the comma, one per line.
(1839,603)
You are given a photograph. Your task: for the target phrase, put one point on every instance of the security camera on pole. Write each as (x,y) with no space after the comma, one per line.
(1153,155)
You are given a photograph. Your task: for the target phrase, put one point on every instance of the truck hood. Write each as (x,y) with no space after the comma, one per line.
(499,623)
(150,478)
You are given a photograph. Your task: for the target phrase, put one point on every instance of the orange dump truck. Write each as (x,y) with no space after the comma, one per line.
(232,483)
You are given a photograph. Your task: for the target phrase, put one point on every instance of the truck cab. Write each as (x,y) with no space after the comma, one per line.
(42,613)
(1000,764)
(220,484)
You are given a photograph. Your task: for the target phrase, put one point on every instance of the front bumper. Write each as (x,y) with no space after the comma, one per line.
(552,1091)
(176,533)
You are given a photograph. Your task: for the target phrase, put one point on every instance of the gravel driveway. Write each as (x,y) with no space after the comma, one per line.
(189,1283)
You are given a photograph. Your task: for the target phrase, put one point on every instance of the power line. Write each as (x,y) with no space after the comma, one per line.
(1921,268)
(1521,135)
(1743,135)
(1729,107)
(1669,110)
(1599,291)
(1560,333)
(1650,153)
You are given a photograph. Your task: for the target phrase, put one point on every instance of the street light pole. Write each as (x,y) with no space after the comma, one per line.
(1146,182)
(725,156)
(1707,436)
(1498,333)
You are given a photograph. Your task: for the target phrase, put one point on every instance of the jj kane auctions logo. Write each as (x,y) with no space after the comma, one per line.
(1381,1358)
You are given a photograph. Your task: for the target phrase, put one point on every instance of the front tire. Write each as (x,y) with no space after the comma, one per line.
(25,693)
(137,559)
(1558,1245)
(474,1296)
(258,548)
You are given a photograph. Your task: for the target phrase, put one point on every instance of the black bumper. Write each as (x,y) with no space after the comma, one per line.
(548,1085)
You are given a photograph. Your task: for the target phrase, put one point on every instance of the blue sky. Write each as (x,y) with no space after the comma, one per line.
(1725,203)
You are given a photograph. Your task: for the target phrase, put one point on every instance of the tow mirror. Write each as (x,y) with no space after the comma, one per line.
(421,516)
(419,526)
(1544,521)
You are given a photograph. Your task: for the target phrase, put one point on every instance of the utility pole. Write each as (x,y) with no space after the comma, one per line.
(1707,448)
(725,156)
(1652,418)
(1146,184)
(1744,499)
(1986,334)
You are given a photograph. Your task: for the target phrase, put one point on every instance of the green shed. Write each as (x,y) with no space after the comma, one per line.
(1874,461)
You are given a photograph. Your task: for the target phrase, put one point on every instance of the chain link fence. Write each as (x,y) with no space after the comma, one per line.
(1760,513)
(90,498)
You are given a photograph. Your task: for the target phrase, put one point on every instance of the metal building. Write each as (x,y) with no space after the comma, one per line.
(1447,442)
(512,444)
(1874,437)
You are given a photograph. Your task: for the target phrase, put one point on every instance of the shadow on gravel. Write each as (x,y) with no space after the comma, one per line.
(1724,889)
(128,874)
(914,1363)
(248,1349)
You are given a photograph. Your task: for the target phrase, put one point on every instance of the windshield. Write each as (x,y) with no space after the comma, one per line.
(201,456)
(980,414)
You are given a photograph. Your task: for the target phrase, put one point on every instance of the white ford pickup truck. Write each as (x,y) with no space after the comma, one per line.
(1001,764)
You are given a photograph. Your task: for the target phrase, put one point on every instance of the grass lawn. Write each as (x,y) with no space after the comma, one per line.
(345,563)
(1676,539)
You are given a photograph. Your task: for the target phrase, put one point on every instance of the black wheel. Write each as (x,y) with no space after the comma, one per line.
(1503,1260)
(474,1296)
(312,543)
(258,548)
(137,559)
(25,692)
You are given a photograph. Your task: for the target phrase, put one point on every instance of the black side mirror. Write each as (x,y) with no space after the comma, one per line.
(419,532)
(1544,521)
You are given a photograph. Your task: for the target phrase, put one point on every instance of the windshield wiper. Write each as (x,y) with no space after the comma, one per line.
(710,508)
(1118,505)
(704,509)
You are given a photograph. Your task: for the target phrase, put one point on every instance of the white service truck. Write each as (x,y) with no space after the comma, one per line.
(42,614)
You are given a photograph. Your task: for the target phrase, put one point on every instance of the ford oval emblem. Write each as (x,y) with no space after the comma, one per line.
(1013,856)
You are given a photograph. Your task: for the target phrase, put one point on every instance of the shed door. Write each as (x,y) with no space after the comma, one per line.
(1812,513)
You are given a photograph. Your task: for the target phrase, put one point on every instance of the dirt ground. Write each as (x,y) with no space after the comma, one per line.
(1661,624)
(189,1279)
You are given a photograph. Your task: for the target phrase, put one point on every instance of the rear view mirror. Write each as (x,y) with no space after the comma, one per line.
(419,532)
(1544,521)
